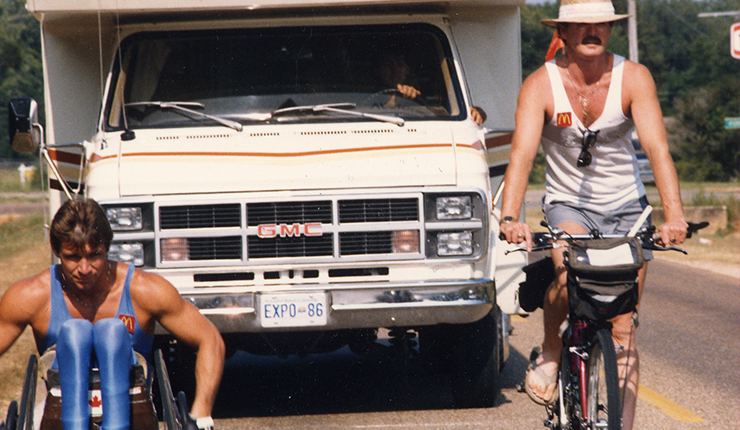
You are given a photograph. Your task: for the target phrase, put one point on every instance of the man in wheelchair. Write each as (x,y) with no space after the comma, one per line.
(89,312)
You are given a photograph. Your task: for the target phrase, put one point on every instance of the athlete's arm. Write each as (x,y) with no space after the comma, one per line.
(160,299)
(20,306)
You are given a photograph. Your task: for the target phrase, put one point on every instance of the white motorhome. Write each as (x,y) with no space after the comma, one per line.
(262,157)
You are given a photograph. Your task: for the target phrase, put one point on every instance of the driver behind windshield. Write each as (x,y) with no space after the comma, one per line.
(395,74)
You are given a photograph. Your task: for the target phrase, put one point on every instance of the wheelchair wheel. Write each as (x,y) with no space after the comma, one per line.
(170,412)
(11,420)
(182,406)
(28,396)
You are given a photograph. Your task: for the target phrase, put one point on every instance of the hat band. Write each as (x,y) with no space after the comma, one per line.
(580,10)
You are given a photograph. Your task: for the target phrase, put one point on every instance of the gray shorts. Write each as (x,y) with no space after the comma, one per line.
(619,221)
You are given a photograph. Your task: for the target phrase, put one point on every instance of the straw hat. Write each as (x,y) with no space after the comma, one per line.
(584,11)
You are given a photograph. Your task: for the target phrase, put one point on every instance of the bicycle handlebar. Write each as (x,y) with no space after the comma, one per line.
(647,237)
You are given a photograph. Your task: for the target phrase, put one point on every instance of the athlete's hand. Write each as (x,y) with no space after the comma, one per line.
(203,423)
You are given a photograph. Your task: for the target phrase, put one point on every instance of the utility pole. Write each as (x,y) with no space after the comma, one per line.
(632,29)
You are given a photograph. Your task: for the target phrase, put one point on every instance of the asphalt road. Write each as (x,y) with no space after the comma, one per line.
(689,344)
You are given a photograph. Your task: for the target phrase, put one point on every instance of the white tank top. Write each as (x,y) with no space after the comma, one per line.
(613,178)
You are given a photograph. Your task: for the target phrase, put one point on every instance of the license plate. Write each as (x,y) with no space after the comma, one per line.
(293,310)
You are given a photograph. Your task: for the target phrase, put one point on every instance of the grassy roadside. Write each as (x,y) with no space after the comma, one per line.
(23,252)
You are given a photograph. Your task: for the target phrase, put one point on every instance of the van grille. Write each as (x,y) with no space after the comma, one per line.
(201,216)
(216,232)
(215,248)
(290,247)
(364,243)
(380,210)
(289,213)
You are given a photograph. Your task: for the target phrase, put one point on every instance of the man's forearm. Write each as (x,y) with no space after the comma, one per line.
(209,365)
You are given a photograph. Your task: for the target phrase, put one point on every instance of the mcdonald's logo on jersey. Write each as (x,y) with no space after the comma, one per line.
(129,320)
(564,119)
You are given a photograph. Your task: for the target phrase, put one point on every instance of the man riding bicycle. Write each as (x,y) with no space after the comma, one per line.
(582,107)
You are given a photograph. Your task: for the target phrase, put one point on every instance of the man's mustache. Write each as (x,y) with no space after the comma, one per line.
(591,40)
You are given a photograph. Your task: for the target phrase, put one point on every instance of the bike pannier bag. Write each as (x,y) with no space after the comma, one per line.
(540,275)
(602,277)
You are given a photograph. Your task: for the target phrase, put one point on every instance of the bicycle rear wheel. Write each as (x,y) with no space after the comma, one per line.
(604,409)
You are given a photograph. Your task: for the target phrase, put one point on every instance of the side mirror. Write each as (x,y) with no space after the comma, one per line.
(25,136)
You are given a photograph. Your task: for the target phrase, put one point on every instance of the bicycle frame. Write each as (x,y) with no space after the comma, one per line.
(576,344)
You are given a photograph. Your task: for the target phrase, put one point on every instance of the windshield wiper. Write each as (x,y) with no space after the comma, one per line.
(339,108)
(187,108)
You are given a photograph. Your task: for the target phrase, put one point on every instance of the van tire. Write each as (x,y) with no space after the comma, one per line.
(476,363)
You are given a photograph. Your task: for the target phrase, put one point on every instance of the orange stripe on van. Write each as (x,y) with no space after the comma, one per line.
(277,154)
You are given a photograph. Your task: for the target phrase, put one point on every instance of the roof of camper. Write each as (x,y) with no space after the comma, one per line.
(43,7)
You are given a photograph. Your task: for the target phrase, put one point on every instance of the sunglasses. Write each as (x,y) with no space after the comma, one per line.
(589,139)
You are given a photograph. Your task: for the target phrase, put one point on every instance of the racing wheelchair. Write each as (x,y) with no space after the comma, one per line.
(20,414)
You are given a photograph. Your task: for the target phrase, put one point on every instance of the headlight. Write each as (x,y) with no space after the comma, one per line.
(127,253)
(454,207)
(455,244)
(406,242)
(125,218)
(175,249)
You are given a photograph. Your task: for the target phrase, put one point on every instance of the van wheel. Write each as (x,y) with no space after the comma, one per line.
(436,344)
(476,363)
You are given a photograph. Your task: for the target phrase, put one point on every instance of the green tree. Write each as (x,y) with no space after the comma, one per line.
(697,81)
(703,150)
(20,64)
(684,52)
(535,36)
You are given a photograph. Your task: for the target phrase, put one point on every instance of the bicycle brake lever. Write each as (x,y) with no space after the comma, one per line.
(509,251)
(654,247)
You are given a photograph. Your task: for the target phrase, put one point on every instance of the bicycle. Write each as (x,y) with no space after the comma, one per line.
(602,283)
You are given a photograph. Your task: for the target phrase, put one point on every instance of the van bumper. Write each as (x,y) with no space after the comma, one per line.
(351,306)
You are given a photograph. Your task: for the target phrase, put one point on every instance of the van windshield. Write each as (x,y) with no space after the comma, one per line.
(247,75)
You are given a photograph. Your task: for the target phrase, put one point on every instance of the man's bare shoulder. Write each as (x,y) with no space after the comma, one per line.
(28,294)
(33,285)
(631,68)
(636,75)
(150,290)
(538,80)
(535,98)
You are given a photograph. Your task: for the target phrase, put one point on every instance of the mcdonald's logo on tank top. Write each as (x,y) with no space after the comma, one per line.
(129,320)
(564,119)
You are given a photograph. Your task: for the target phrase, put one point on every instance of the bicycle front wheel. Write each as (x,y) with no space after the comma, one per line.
(603,404)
